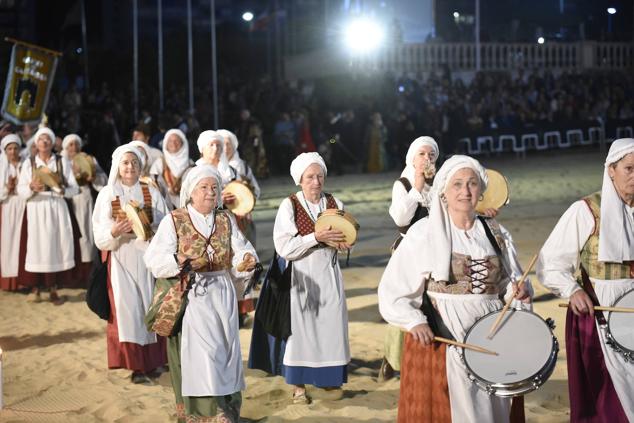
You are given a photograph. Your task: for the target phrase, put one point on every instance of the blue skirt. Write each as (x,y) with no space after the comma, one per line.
(267,353)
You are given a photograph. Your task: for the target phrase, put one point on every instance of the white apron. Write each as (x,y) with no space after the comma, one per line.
(12,215)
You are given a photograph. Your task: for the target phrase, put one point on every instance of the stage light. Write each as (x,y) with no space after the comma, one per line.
(247,16)
(363,35)
(611,10)
(456,15)
(540,40)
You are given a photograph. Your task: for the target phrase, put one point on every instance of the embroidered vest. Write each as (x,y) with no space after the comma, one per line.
(304,223)
(193,245)
(590,251)
(476,276)
(420,210)
(118,213)
(173,182)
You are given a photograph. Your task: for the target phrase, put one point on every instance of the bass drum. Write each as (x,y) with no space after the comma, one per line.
(620,331)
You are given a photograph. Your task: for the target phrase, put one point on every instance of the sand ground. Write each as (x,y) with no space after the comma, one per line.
(55,356)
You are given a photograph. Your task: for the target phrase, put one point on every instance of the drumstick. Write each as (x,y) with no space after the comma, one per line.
(605,308)
(510,300)
(465,346)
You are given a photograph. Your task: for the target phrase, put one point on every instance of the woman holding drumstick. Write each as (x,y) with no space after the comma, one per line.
(450,270)
(596,234)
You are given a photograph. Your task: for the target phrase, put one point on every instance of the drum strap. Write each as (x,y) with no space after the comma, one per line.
(587,286)
(433,318)
(491,237)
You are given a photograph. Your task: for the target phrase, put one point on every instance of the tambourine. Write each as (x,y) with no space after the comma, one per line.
(245,199)
(140,223)
(86,167)
(340,220)
(496,194)
(48,178)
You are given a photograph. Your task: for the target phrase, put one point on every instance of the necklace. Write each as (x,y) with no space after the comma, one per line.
(308,208)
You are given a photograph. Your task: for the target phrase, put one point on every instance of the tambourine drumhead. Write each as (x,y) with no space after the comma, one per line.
(140,223)
(340,220)
(245,200)
(496,194)
(85,164)
(621,325)
(527,353)
(47,177)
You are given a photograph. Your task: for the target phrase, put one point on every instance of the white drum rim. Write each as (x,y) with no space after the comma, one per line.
(627,353)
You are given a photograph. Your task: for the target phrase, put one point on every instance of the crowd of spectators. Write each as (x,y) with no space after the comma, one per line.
(345,117)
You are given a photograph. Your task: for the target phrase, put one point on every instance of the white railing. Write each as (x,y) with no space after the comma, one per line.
(500,56)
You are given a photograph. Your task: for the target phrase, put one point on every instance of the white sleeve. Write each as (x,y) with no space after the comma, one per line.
(24,181)
(159,207)
(157,168)
(72,188)
(403,282)
(159,256)
(101,179)
(559,257)
(102,222)
(404,204)
(289,244)
(4,192)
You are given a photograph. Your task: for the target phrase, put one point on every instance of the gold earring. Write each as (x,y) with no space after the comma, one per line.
(481,197)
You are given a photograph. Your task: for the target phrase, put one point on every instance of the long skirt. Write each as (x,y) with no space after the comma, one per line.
(128,355)
(424,395)
(199,409)
(24,278)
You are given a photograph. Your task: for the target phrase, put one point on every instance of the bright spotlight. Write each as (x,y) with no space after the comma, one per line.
(456,15)
(363,35)
(247,16)
(611,10)
(540,40)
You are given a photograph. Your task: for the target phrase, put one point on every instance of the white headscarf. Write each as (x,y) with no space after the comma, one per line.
(45,131)
(615,233)
(439,254)
(4,160)
(117,155)
(301,163)
(68,139)
(10,139)
(141,146)
(26,152)
(206,137)
(225,133)
(409,172)
(177,162)
(194,176)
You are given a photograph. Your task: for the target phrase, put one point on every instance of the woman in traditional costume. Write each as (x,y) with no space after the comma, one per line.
(171,169)
(12,214)
(211,146)
(204,356)
(317,352)
(410,202)
(83,206)
(596,235)
(50,248)
(130,283)
(462,264)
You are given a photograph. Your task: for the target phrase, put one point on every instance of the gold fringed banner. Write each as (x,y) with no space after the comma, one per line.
(29,81)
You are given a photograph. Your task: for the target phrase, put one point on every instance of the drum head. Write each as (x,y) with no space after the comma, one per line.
(621,325)
(523,341)
(338,221)
(245,200)
(497,193)
(84,163)
(47,177)
(138,228)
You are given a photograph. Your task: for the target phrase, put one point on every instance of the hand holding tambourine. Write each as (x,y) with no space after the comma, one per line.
(247,264)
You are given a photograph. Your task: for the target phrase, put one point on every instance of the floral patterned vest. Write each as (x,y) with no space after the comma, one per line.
(193,245)
(590,252)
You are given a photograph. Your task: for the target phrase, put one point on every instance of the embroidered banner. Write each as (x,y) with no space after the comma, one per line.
(29,81)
